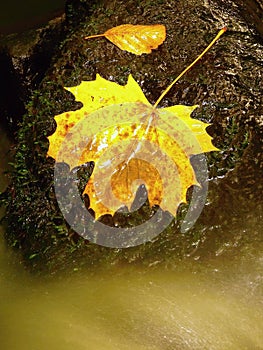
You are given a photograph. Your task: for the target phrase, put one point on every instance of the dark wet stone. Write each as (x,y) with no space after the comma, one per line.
(226,84)
(252,12)
(86,201)
(77,11)
(24,60)
(106,219)
(11,94)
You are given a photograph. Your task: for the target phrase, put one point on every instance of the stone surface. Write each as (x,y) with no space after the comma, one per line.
(24,59)
(226,84)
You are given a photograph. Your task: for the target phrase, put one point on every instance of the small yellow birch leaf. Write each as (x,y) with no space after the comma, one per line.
(137,39)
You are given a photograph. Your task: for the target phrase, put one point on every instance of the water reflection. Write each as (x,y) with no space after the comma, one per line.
(130,309)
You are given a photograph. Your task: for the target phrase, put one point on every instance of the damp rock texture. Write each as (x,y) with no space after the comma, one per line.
(226,84)
(24,59)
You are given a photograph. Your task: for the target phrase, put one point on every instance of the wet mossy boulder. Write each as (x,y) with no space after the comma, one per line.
(227,86)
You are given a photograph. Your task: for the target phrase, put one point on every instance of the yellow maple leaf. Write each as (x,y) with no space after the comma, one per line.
(137,39)
(131,142)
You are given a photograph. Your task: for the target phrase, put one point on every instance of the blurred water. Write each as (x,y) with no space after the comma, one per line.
(129,309)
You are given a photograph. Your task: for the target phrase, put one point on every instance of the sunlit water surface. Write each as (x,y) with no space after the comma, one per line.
(212,305)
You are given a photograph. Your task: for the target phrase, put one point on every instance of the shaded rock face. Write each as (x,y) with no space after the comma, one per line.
(227,86)
(78,11)
(24,60)
(11,94)
(252,12)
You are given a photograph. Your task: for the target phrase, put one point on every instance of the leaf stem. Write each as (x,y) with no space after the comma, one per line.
(222,31)
(93,36)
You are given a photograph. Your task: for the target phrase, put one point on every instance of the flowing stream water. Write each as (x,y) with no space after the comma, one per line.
(216,304)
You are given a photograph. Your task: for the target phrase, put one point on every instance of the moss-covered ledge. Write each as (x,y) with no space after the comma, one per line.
(226,85)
